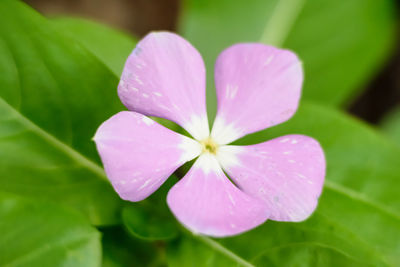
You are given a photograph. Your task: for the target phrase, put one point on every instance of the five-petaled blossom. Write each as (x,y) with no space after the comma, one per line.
(258,86)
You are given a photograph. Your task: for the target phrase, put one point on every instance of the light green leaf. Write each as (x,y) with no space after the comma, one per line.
(357,222)
(391,125)
(41,234)
(111,46)
(341,43)
(53,96)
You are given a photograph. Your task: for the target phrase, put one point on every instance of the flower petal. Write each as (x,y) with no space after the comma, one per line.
(206,202)
(287,173)
(165,77)
(258,86)
(139,154)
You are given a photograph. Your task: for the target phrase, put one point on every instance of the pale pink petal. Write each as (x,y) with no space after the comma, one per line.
(258,86)
(165,77)
(139,154)
(287,173)
(206,202)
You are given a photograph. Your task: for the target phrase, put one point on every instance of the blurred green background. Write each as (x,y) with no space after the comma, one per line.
(379,94)
(60,63)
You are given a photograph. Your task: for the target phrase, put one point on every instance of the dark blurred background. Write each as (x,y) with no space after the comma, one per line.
(141,16)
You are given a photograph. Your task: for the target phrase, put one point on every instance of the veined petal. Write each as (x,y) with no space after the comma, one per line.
(258,86)
(165,77)
(286,173)
(139,154)
(206,202)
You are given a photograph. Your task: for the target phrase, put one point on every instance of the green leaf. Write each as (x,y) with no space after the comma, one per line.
(43,234)
(306,254)
(111,46)
(149,222)
(357,222)
(196,251)
(391,125)
(120,250)
(53,96)
(151,219)
(341,43)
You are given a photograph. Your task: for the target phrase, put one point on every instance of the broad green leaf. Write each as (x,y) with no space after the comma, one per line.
(341,43)
(41,234)
(357,222)
(120,250)
(53,96)
(111,46)
(391,125)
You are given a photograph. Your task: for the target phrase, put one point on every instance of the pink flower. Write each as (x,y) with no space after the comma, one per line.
(258,86)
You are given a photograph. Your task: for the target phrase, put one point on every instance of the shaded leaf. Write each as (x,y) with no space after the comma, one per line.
(149,222)
(391,125)
(151,218)
(120,250)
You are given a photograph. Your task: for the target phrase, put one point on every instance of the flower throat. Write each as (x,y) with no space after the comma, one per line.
(209,146)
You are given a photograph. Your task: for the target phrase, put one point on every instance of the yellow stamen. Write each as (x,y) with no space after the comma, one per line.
(209,146)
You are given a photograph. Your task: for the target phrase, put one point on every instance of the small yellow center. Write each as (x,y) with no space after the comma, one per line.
(209,146)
